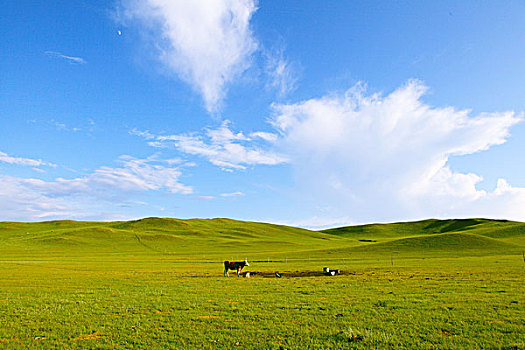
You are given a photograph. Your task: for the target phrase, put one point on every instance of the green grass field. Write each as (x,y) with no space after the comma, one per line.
(158,284)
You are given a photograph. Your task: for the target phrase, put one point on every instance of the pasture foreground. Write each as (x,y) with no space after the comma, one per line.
(100,300)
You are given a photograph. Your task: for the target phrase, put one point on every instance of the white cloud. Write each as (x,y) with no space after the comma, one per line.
(206,43)
(203,198)
(24,161)
(368,157)
(87,125)
(33,199)
(232,194)
(145,134)
(457,197)
(70,59)
(19,202)
(223,147)
(134,176)
(267,136)
(385,157)
(281,72)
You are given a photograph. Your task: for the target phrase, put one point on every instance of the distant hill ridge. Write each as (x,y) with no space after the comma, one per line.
(433,234)
(222,236)
(430,226)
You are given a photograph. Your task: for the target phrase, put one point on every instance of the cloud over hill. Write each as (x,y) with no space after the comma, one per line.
(371,156)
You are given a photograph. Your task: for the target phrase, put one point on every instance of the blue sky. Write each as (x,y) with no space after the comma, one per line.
(309,113)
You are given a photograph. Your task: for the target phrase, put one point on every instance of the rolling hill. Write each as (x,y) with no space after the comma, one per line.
(184,238)
(214,238)
(456,236)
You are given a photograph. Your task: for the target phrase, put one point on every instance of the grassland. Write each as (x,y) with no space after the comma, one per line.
(158,284)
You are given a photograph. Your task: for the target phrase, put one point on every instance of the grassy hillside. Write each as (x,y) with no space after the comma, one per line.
(456,235)
(490,228)
(158,284)
(185,238)
(226,238)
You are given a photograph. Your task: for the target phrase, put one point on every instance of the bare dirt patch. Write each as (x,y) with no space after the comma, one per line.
(293,274)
